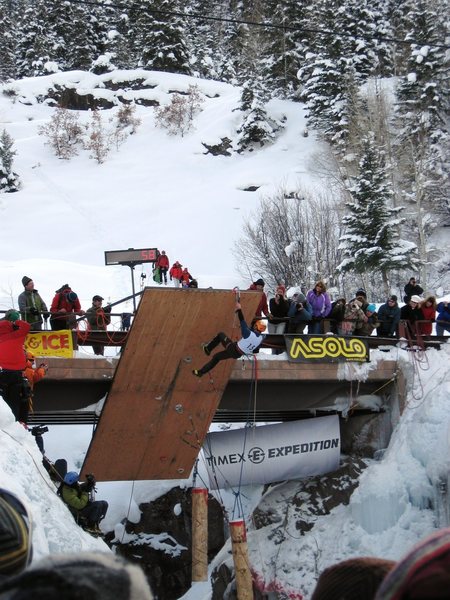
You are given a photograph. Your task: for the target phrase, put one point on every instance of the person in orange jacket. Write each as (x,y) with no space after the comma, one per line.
(13,332)
(162,263)
(32,375)
(175,274)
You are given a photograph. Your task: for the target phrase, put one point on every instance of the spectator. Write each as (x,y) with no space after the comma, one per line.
(15,535)
(352,579)
(98,319)
(186,277)
(193,284)
(411,313)
(388,318)
(33,309)
(91,576)
(175,273)
(278,311)
(412,288)
(125,321)
(300,313)
(263,308)
(443,318)
(423,574)
(162,263)
(88,513)
(337,313)
(32,375)
(354,317)
(250,341)
(65,306)
(372,323)
(13,332)
(321,306)
(428,307)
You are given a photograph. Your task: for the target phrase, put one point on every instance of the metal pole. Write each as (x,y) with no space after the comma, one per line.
(132,286)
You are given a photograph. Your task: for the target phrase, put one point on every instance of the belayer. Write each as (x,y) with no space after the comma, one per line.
(251,340)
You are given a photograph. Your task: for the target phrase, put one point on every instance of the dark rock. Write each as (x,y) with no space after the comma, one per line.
(222,149)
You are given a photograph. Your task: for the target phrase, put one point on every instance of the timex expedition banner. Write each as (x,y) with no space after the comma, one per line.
(326,348)
(273,452)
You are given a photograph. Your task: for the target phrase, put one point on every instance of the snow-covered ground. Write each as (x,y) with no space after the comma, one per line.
(160,191)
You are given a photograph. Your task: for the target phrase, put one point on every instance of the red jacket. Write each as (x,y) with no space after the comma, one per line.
(262,306)
(429,313)
(60,301)
(176,271)
(12,353)
(186,277)
(162,261)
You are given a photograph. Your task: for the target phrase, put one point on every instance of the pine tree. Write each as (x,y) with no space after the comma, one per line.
(9,181)
(7,43)
(371,241)
(203,40)
(34,43)
(158,36)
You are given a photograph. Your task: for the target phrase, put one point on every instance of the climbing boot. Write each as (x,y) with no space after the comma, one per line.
(206,350)
(196,372)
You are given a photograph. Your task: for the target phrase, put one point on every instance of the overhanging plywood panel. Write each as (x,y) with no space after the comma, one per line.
(157,413)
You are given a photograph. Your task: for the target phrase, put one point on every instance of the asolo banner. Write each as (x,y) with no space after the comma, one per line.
(50,343)
(326,348)
(272,452)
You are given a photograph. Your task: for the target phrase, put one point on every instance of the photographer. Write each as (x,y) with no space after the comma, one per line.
(300,313)
(32,375)
(79,498)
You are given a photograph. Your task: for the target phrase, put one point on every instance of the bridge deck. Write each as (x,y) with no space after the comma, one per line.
(157,413)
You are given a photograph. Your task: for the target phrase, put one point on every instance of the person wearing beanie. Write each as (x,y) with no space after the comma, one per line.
(13,332)
(64,309)
(249,343)
(372,322)
(300,313)
(423,574)
(176,270)
(98,319)
(353,317)
(87,575)
(411,313)
(278,314)
(443,317)
(412,288)
(428,307)
(263,307)
(388,318)
(15,535)
(352,579)
(32,308)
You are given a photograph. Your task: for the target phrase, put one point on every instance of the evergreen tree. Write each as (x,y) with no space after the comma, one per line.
(371,241)
(9,181)
(158,36)
(34,42)
(203,40)
(7,43)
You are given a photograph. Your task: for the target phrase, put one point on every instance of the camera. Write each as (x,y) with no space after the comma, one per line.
(299,305)
(39,430)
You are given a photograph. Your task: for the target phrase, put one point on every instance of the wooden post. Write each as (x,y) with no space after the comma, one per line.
(199,534)
(240,557)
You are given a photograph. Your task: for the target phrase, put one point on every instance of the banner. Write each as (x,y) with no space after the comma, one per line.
(273,452)
(50,343)
(326,348)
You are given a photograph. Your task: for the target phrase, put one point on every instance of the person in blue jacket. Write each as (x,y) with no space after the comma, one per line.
(388,317)
(251,340)
(443,317)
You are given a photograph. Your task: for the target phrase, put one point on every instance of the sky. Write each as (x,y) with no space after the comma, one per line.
(164,192)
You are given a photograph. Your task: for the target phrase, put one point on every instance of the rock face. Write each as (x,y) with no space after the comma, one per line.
(161,542)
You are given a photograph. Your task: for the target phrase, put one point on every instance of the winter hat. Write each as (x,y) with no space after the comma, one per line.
(97,576)
(353,579)
(12,315)
(15,551)
(423,574)
(393,297)
(371,307)
(280,289)
(417,299)
(96,297)
(72,297)
(26,280)
(260,282)
(361,292)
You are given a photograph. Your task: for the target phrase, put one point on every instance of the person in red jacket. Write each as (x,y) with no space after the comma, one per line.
(428,307)
(162,263)
(13,332)
(65,306)
(263,308)
(186,277)
(175,274)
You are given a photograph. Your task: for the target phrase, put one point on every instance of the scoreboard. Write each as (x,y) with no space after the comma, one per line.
(131,256)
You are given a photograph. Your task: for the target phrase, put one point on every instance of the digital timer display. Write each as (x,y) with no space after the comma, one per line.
(131,256)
